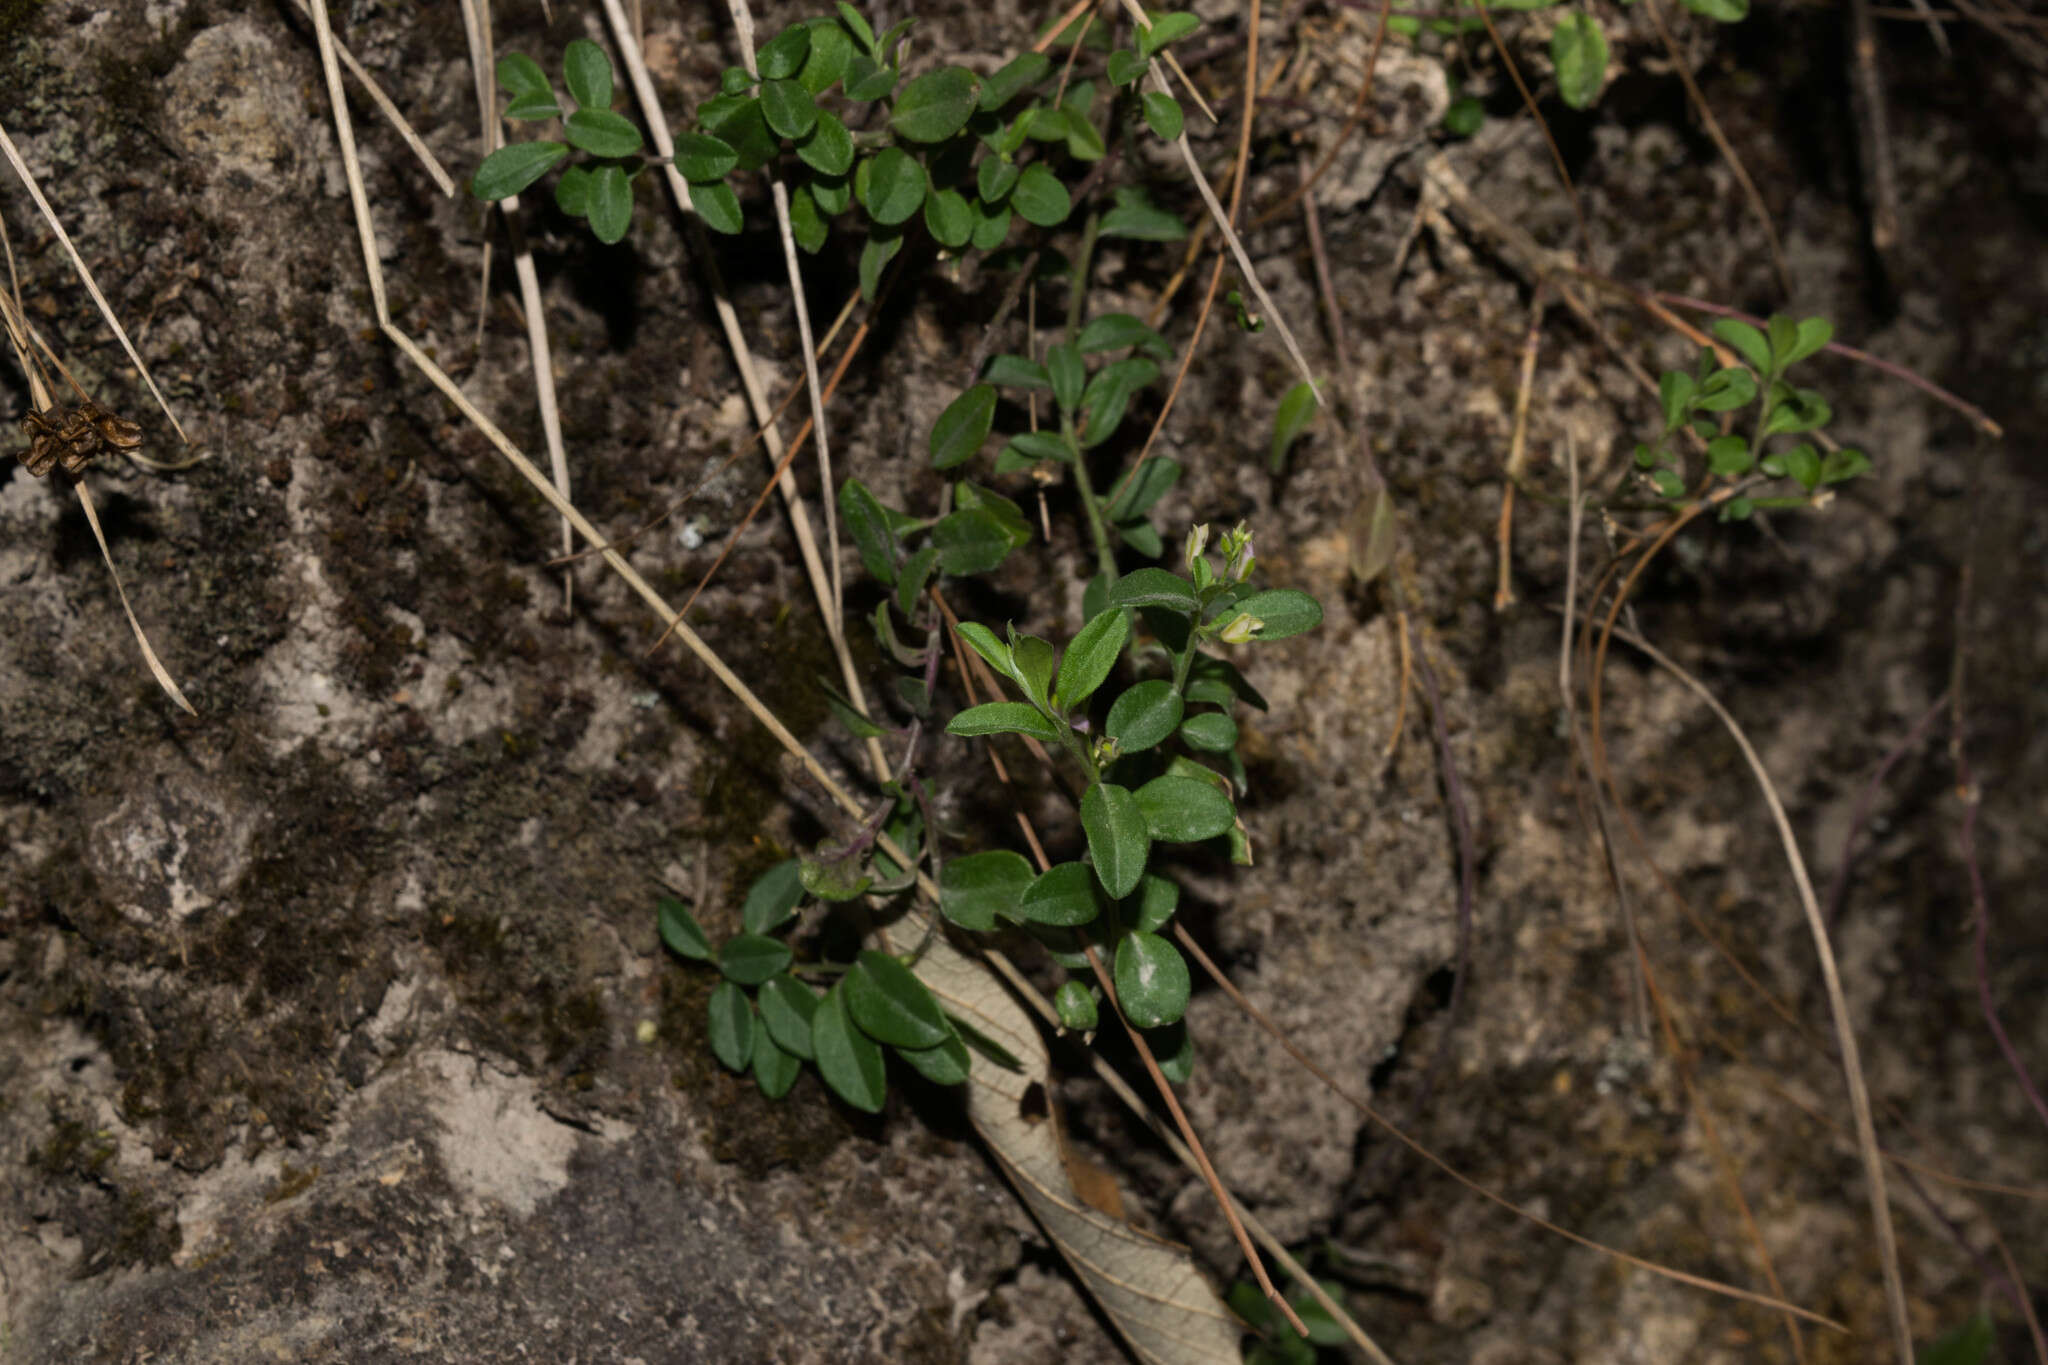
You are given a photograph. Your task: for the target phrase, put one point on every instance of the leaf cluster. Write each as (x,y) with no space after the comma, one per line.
(766,1017)
(828,104)
(599,189)
(1705,398)
(1139,793)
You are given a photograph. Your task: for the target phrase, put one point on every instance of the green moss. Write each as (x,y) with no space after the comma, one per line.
(291,1182)
(738,791)
(74,1148)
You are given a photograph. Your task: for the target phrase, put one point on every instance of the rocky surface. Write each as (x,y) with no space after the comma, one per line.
(334,1025)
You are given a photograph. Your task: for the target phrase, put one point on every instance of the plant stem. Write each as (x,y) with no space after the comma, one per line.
(1077,296)
(1104,554)
(1183,660)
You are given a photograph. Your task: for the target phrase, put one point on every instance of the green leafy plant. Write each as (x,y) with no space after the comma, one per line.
(828,105)
(1154,758)
(1158,765)
(1705,400)
(1139,702)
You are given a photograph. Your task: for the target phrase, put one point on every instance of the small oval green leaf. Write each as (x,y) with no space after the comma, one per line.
(1746,341)
(1144,715)
(849,1060)
(588,74)
(1125,66)
(971,541)
(1018,75)
(875,255)
(1184,810)
(775,1070)
(572,191)
(1114,331)
(787,1008)
(1839,466)
(788,108)
(857,25)
(891,1005)
(1065,894)
(1163,115)
(783,56)
(1075,1004)
(731,1026)
(829,148)
(1117,838)
(838,880)
(831,52)
(1039,198)
(1166,28)
(610,204)
(963,426)
(868,521)
(1149,587)
(948,218)
(750,959)
(894,187)
(1002,718)
(680,930)
(1156,899)
(509,170)
(601,133)
(976,888)
(946,1064)
(772,899)
(700,156)
(1137,217)
(806,224)
(520,74)
(1151,980)
(1211,731)
(718,206)
(1290,420)
(1579,50)
(1284,612)
(1090,657)
(936,105)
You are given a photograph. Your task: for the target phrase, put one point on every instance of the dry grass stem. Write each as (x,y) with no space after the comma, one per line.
(390,112)
(92,286)
(743,361)
(1852,1067)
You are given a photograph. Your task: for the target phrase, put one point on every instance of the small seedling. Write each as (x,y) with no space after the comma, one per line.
(1737,462)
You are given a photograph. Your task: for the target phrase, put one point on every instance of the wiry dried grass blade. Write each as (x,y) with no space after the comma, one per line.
(1838,1005)
(351,165)
(23,337)
(91,285)
(743,21)
(390,113)
(541,355)
(1230,237)
(743,360)
(156,667)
